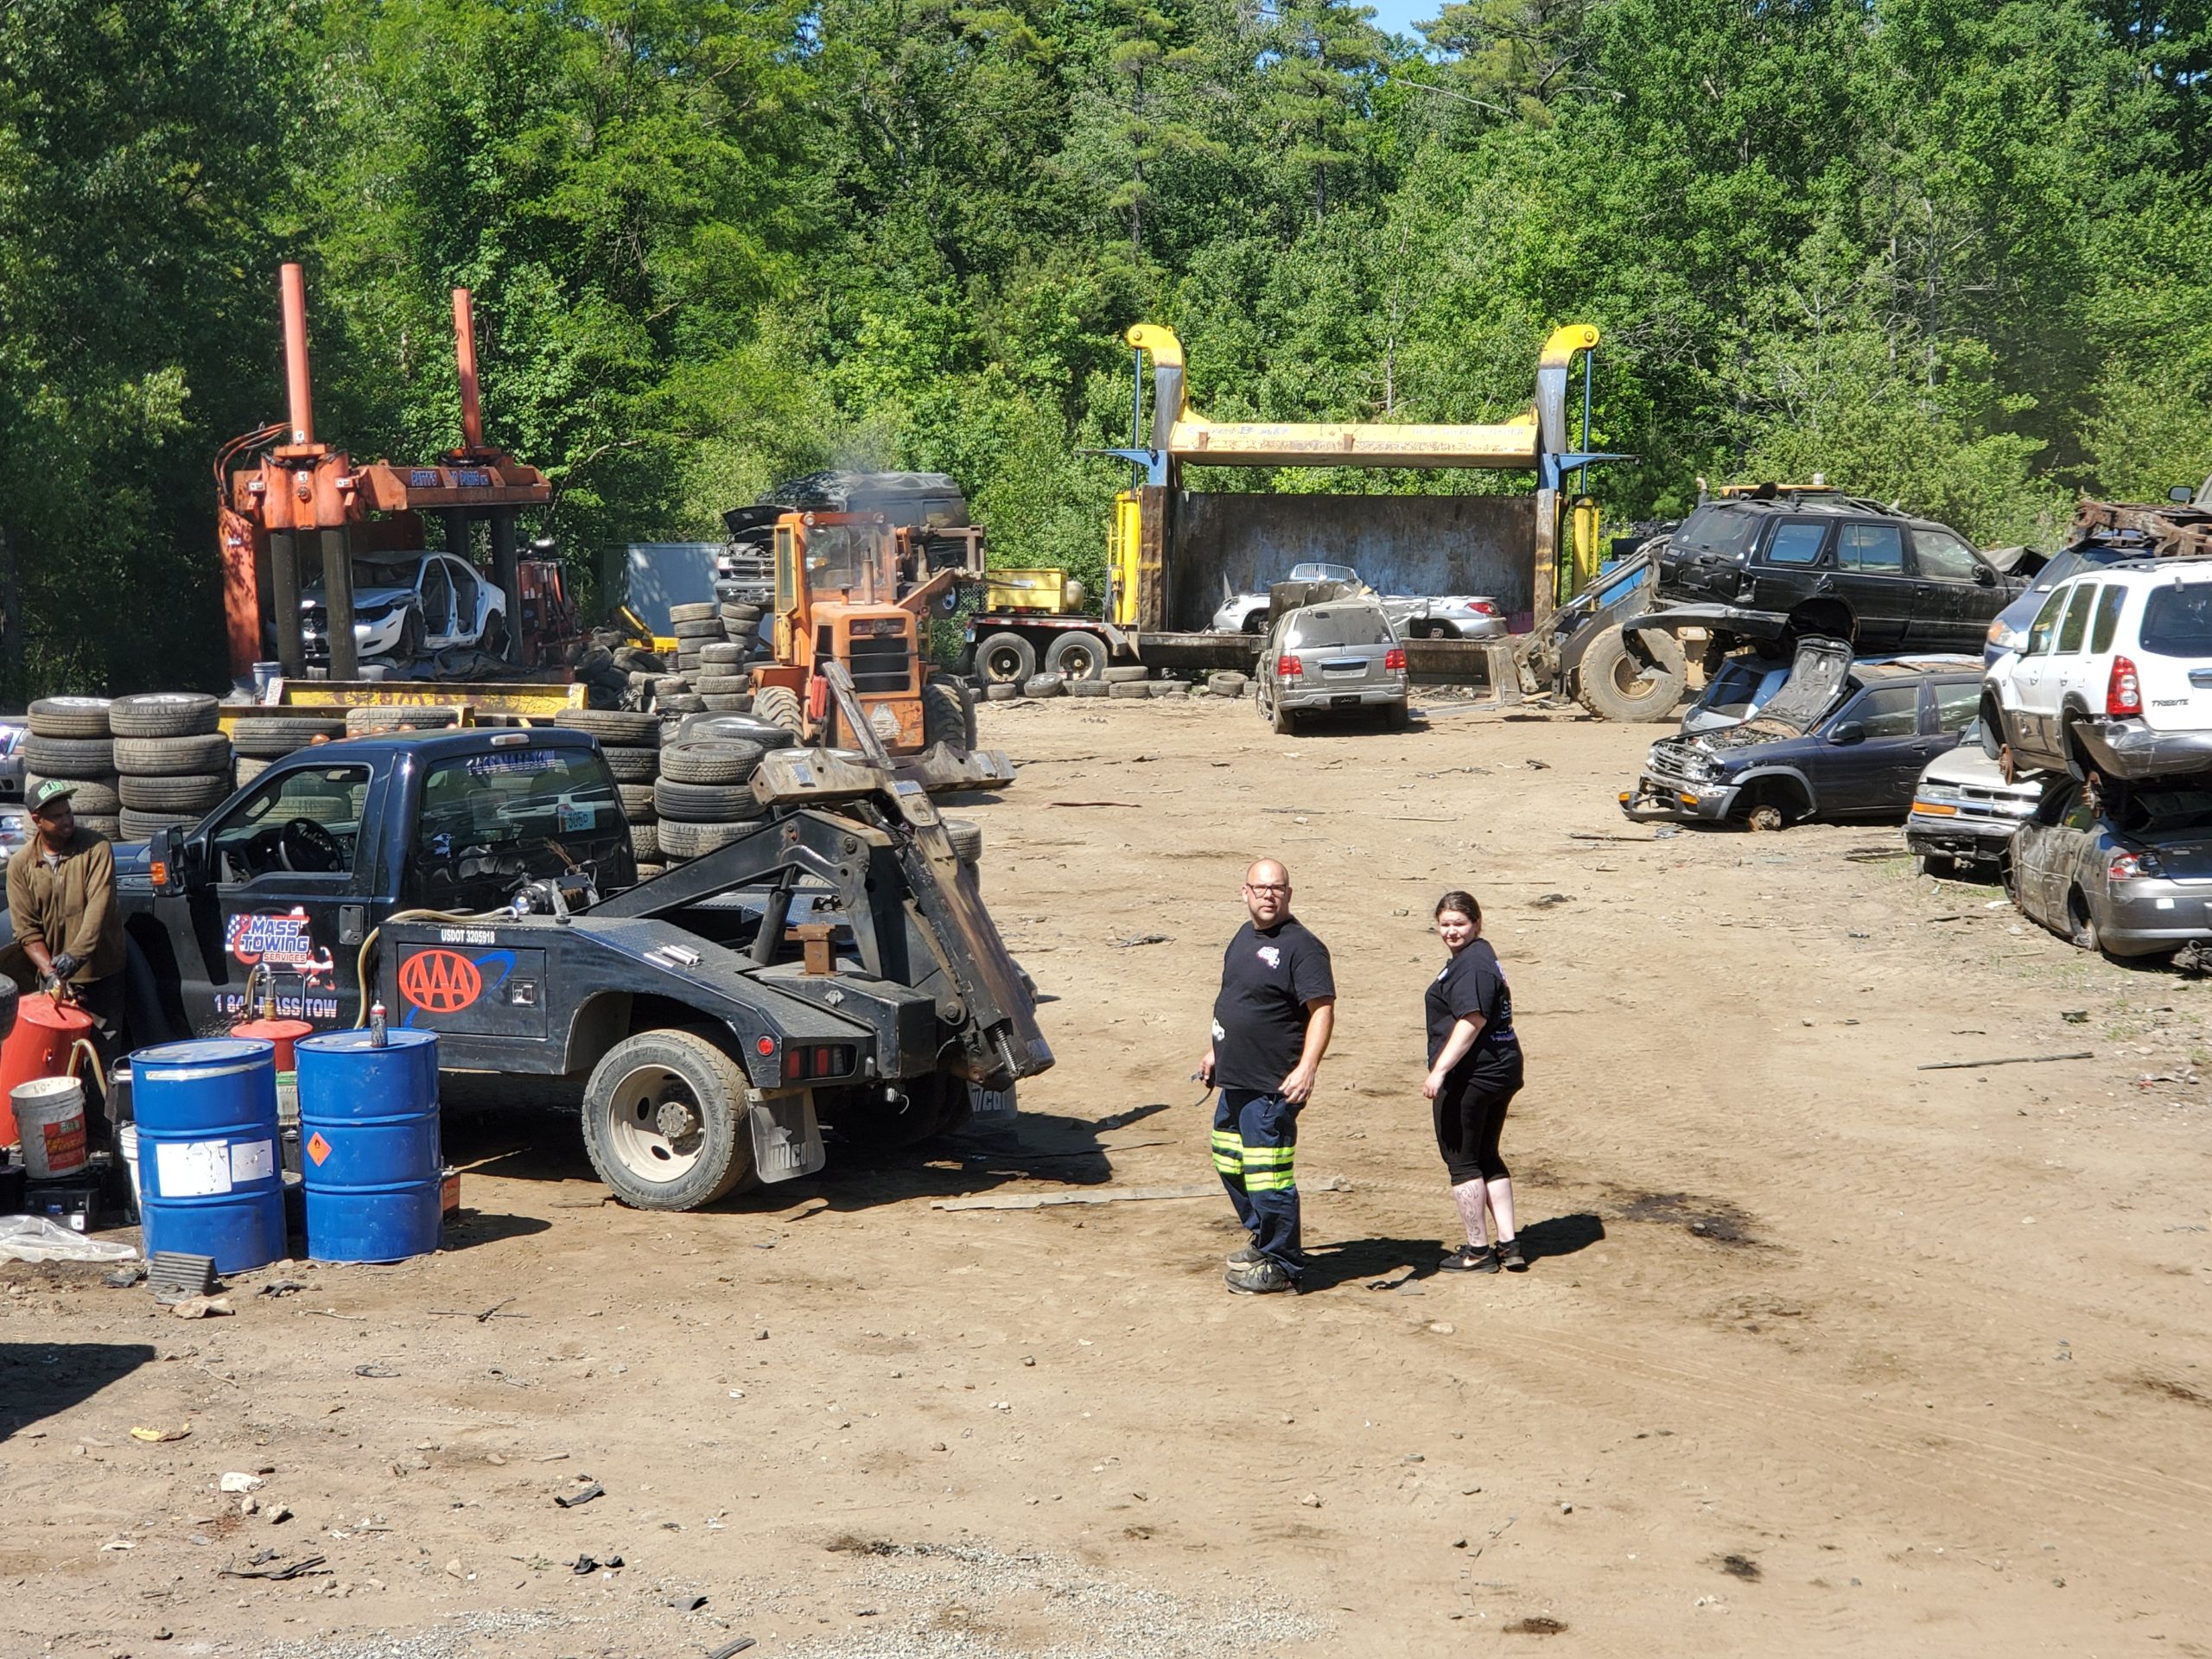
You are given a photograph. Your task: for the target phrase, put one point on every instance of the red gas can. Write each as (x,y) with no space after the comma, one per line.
(283,1033)
(38,1047)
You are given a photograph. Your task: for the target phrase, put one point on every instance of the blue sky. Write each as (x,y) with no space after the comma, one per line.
(1398,16)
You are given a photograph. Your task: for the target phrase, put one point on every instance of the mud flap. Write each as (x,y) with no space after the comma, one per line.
(786,1140)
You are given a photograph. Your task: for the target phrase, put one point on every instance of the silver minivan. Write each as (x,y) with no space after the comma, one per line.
(1340,656)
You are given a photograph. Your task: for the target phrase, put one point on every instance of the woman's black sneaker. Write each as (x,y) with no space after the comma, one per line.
(1508,1252)
(1468,1259)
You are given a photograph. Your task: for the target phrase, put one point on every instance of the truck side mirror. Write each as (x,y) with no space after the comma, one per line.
(167,860)
(1849,732)
(1985,576)
(2182,493)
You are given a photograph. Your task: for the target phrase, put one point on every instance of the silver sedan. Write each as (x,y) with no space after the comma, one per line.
(1453,616)
(2131,876)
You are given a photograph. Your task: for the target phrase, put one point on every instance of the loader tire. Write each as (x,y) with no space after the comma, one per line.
(1005,659)
(618,726)
(698,760)
(164,714)
(778,705)
(92,796)
(189,792)
(69,717)
(666,1120)
(705,802)
(948,712)
(1076,656)
(171,757)
(69,757)
(631,766)
(1618,685)
(272,739)
(682,839)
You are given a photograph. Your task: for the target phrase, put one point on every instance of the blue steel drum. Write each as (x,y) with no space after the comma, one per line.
(369,1145)
(209,1180)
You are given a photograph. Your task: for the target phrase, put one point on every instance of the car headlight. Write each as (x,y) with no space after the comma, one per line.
(2005,636)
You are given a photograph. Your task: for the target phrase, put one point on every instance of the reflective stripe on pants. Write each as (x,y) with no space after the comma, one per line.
(1255,1148)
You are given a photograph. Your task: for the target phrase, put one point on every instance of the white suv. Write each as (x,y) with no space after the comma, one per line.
(2115,678)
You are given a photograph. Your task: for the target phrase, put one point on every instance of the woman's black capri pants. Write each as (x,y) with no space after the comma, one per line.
(1470,1116)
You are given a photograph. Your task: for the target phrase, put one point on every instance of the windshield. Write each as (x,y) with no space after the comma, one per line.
(839,557)
(1722,530)
(384,573)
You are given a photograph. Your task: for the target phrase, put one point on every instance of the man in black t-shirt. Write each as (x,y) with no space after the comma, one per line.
(1271,1026)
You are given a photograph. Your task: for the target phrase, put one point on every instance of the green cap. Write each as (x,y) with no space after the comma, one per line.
(53,789)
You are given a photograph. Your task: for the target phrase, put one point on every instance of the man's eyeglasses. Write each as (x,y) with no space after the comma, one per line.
(1267,886)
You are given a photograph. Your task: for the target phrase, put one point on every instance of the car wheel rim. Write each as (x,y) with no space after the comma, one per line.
(654,1126)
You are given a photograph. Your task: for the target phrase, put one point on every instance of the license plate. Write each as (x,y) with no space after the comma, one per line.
(991,1102)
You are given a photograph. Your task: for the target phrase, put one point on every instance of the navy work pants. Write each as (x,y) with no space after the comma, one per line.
(1255,1140)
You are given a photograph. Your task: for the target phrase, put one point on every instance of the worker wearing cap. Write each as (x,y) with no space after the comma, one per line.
(61,904)
(1271,1026)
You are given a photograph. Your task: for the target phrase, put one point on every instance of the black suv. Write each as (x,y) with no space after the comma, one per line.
(1765,570)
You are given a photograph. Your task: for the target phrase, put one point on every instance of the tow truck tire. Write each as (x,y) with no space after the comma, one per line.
(627,1117)
(778,705)
(171,757)
(193,793)
(631,766)
(612,725)
(948,712)
(272,739)
(729,760)
(680,838)
(705,802)
(69,757)
(1005,659)
(1076,656)
(69,717)
(164,714)
(1617,684)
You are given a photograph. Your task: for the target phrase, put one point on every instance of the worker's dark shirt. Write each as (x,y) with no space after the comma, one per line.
(1473,987)
(1260,1018)
(68,904)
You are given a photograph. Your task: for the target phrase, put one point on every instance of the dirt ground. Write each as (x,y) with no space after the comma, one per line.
(1821,1352)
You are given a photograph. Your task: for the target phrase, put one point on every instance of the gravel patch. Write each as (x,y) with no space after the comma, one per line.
(461,1635)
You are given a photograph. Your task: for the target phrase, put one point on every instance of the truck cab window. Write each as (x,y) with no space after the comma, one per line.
(491,821)
(305,823)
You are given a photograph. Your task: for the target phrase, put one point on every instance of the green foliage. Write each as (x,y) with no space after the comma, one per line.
(1945,251)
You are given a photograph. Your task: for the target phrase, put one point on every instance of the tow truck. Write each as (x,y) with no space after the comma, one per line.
(835,965)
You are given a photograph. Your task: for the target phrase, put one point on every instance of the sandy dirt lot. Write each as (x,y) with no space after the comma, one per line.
(1821,1352)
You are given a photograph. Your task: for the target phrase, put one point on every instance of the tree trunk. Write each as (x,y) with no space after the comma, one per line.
(11,618)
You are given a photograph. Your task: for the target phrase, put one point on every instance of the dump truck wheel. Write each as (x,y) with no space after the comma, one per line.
(948,712)
(1077,657)
(779,706)
(1006,660)
(1618,684)
(664,1120)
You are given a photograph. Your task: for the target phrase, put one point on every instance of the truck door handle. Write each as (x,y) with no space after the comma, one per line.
(353,920)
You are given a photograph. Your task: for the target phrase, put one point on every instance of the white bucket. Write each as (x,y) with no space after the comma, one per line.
(126,1140)
(50,1115)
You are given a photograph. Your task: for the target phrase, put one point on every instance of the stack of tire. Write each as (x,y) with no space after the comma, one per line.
(741,625)
(704,794)
(706,656)
(173,764)
(69,740)
(260,740)
(630,742)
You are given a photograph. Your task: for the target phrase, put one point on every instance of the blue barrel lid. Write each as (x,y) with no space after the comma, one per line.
(357,1041)
(210,1055)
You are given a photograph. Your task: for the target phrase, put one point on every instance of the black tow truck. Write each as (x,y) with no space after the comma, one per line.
(833,965)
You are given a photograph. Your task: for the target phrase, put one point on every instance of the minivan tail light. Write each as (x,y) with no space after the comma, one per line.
(2124,691)
(1289,668)
(2133,866)
(1395,660)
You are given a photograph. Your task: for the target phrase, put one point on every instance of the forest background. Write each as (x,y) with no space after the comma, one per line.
(1948,251)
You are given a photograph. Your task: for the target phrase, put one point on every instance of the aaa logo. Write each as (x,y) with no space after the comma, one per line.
(439,981)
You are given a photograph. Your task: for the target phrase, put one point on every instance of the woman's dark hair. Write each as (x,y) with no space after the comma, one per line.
(1463,902)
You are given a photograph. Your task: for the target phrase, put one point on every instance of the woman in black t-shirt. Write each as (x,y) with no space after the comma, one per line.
(1474,1071)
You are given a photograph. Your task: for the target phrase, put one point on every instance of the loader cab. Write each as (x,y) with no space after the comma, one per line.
(837,600)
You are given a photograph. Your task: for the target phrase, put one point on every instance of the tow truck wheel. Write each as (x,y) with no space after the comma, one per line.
(779,706)
(664,1120)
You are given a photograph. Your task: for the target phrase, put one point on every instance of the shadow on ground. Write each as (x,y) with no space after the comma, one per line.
(43,1379)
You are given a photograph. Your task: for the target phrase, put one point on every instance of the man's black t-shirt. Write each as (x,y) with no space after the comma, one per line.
(1473,987)
(1259,1019)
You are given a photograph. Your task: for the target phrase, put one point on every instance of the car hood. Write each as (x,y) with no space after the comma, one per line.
(364,598)
(1967,767)
(1816,680)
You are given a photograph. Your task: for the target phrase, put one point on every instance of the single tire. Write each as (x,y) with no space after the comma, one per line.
(966,838)
(171,757)
(666,1120)
(669,684)
(249,768)
(1127,688)
(1229,684)
(705,802)
(722,685)
(1087,688)
(182,793)
(1000,691)
(722,650)
(644,841)
(631,766)
(1989,726)
(683,702)
(1170,689)
(164,714)
(1043,685)
(69,717)
(106,825)
(705,612)
(272,739)
(731,705)
(95,797)
(948,711)
(1617,684)
(648,871)
(778,705)
(1005,659)
(69,757)
(1397,718)
(696,760)
(1076,656)
(1765,818)
(396,717)
(682,839)
(734,728)
(698,633)
(1124,673)
(618,726)
(636,802)
(141,826)
(1284,722)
